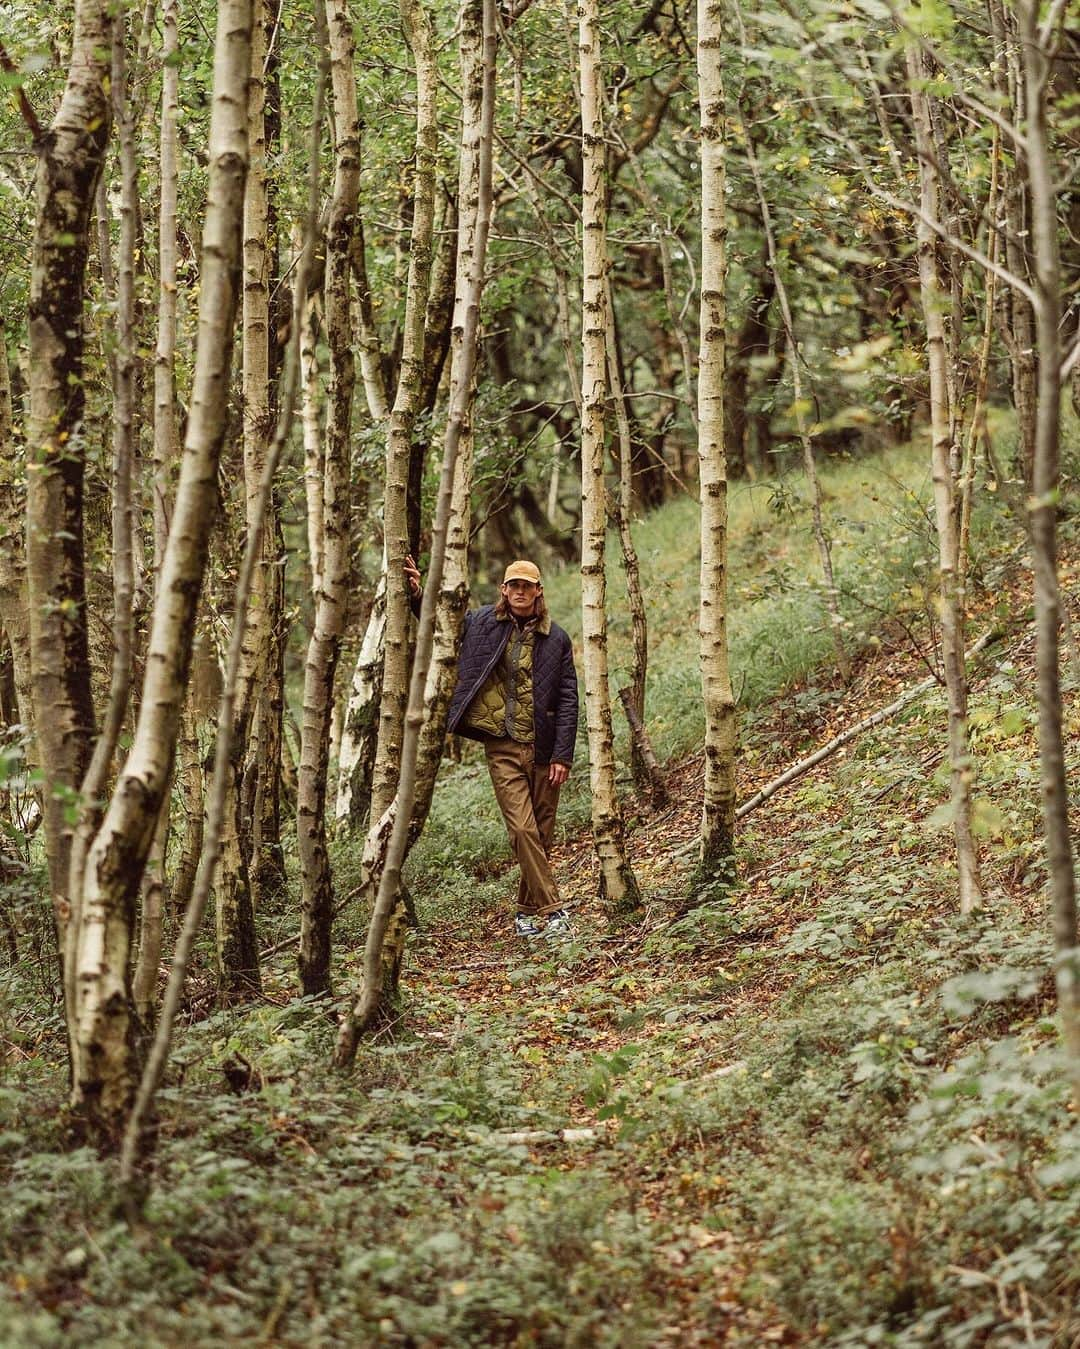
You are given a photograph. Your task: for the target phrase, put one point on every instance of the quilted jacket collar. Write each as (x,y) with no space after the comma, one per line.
(543,627)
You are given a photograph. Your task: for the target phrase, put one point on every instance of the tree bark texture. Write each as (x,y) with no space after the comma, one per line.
(617,881)
(14,615)
(1043,523)
(164,461)
(115,863)
(718,810)
(159,1050)
(473,195)
(234,900)
(70,157)
(386,931)
(395,681)
(316,902)
(639,626)
(952,627)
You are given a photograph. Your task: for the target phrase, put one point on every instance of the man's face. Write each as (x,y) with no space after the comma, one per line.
(521,596)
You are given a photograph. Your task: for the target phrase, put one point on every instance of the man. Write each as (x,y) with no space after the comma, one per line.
(517,692)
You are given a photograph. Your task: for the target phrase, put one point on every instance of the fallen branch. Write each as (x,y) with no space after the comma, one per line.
(852,733)
(658,791)
(511,1136)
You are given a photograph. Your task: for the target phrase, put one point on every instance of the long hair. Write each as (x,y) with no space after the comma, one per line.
(540,609)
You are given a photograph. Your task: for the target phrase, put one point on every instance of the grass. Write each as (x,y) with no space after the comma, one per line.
(778,629)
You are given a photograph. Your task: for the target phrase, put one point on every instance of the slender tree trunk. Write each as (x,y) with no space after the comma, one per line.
(952,633)
(1019,328)
(70,157)
(403,415)
(718,813)
(385,937)
(314,447)
(190,784)
(1043,515)
(473,195)
(360,732)
(14,617)
(237,948)
(316,909)
(617,882)
(115,863)
(165,451)
(84,913)
(159,1051)
(631,567)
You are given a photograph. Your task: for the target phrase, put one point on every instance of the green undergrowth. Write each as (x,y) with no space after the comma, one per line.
(819,1108)
(878,514)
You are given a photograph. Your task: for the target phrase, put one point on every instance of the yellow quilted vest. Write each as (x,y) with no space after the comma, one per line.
(503,705)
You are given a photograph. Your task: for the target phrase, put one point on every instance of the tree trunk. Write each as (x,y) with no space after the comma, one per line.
(322,655)
(237,948)
(617,882)
(14,618)
(117,856)
(69,165)
(952,628)
(395,679)
(159,1052)
(360,732)
(631,568)
(718,812)
(386,932)
(1019,329)
(1044,507)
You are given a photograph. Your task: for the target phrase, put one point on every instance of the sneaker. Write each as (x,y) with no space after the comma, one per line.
(525,926)
(558,925)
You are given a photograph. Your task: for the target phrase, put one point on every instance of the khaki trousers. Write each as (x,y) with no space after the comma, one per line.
(528,802)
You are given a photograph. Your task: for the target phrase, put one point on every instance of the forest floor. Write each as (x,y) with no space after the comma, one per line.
(816,1106)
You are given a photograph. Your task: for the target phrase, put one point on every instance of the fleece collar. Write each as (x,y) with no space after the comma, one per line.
(540,625)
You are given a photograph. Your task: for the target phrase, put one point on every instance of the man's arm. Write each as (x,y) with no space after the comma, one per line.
(566,719)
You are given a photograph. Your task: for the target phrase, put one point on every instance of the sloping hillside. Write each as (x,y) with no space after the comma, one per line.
(816,1107)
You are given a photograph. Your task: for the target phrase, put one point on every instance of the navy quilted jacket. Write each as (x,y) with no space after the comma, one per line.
(555,690)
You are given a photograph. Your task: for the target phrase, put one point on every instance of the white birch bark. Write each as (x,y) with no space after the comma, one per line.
(395,681)
(105,1082)
(473,196)
(386,929)
(234,902)
(1043,523)
(952,630)
(316,904)
(617,882)
(14,617)
(69,164)
(639,627)
(159,1051)
(718,809)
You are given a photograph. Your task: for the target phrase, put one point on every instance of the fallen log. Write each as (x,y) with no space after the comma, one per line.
(852,733)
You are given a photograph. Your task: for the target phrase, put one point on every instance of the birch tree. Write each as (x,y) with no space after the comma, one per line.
(718,811)
(941,420)
(1035,41)
(395,680)
(104,1062)
(325,642)
(237,951)
(617,881)
(385,938)
(69,161)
